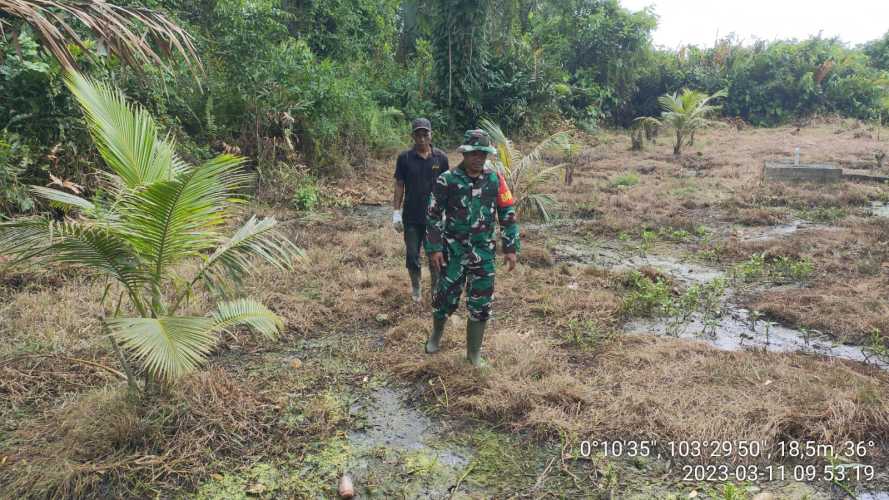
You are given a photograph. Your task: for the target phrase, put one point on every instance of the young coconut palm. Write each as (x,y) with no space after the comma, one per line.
(525,175)
(685,113)
(154,213)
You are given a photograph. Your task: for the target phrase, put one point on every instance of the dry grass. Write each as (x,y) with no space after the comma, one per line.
(845,296)
(719,180)
(559,365)
(104,441)
(664,389)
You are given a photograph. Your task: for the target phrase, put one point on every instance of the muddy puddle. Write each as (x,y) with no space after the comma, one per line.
(617,257)
(764,233)
(879,209)
(877,495)
(733,329)
(397,441)
(736,330)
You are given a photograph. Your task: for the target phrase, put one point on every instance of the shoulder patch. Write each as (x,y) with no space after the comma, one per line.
(504,195)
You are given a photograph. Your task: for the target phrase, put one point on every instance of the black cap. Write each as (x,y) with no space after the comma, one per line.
(421,123)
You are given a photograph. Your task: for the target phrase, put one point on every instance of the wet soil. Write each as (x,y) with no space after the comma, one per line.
(396,434)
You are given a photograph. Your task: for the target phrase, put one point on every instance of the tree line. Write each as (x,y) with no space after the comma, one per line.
(328,82)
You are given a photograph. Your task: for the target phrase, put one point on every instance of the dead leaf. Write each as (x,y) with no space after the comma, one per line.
(73,187)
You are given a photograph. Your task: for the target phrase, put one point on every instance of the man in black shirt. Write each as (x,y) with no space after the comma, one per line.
(415,173)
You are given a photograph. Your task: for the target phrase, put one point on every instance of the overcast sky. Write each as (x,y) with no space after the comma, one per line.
(683,22)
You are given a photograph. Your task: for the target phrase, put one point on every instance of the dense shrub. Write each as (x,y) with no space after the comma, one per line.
(769,83)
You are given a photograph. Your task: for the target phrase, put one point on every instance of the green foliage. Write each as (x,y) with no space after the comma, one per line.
(877,52)
(825,215)
(770,83)
(14,162)
(685,113)
(878,345)
(760,267)
(459,39)
(154,212)
(525,175)
(625,180)
(40,129)
(646,297)
(306,197)
(328,82)
(603,47)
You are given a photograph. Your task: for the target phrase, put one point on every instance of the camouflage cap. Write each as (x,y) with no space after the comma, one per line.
(421,123)
(476,140)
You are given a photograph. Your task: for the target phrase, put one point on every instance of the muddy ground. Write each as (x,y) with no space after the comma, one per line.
(670,302)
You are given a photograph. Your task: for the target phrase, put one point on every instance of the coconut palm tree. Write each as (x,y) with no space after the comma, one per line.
(685,113)
(525,174)
(153,213)
(125,32)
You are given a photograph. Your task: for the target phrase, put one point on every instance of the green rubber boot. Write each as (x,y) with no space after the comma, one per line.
(415,284)
(438,326)
(475,332)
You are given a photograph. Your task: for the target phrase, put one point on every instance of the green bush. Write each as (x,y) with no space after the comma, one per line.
(771,83)
(625,180)
(782,268)
(646,297)
(306,197)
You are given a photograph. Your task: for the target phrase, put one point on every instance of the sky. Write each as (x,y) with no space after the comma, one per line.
(699,22)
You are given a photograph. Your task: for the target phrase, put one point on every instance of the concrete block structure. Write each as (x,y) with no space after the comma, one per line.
(788,172)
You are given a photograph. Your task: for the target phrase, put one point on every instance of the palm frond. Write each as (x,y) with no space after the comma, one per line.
(67,199)
(24,239)
(536,204)
(68,242)
(507,155)
(170,347)
(167,347)
(250,313)
(256,238)
(523,173)
(174,219)
(670,103)
(126,32)
(125,135)
(549,143)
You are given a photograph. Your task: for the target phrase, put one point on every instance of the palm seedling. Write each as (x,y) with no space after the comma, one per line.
(153,214)
(685,113)
(525,174)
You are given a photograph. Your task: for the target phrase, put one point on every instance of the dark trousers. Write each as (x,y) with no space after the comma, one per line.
(413,240)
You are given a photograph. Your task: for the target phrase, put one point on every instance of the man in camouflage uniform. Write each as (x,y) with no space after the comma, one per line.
(460,239)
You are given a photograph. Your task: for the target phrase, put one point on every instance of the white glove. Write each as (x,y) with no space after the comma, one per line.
(396,221)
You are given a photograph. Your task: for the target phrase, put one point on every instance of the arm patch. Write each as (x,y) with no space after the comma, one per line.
(504,196)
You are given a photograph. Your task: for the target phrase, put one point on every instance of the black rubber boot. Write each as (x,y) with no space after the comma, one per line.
(415,284)
(475,333)
(438,326)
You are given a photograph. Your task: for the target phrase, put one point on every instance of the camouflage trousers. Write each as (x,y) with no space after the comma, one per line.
(473,269)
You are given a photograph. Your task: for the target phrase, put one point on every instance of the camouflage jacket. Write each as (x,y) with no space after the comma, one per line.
(461,210)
